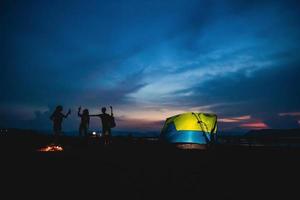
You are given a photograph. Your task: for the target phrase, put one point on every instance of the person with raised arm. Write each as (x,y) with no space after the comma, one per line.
(84,123)
(108,122)
(57,119)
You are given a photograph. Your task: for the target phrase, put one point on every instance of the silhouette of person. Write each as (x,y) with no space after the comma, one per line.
(106,120)
(84,123)
(57,118)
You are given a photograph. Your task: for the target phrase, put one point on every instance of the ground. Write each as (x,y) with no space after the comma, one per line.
(147,170)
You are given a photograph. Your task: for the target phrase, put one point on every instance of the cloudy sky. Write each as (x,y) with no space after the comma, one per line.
(151,60)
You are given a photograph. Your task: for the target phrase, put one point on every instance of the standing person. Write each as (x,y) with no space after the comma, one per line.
(84,123)
(106,120)
(57,118)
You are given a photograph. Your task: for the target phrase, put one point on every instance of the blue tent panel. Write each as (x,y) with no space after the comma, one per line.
(173,136)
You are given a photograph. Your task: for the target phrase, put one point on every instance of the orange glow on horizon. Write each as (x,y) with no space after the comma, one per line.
(235,119)
(254,125)
(289,114)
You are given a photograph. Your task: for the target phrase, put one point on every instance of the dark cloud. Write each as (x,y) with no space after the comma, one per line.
(271,88)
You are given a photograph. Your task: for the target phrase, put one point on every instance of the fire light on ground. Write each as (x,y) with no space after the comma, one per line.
(51,148)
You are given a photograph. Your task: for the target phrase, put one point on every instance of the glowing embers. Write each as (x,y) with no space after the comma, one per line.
(51,148)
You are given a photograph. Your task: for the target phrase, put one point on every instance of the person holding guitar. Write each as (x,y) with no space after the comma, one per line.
(108,122)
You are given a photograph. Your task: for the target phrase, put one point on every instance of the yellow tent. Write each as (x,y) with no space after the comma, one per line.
(198,128)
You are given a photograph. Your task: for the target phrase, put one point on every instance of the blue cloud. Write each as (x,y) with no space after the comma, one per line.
(234,57)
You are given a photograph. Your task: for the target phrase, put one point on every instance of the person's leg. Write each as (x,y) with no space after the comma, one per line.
(85,130)
(85,134)
(104,135)
(105,138)
(55,133)
(80,129)
(58,134)
(109,136)
(106,141)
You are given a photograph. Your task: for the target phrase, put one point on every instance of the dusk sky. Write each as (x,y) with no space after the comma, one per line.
(151,60)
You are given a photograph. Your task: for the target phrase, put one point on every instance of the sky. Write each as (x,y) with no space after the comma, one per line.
(151,60)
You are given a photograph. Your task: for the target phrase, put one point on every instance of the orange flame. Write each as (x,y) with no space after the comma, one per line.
(51,148)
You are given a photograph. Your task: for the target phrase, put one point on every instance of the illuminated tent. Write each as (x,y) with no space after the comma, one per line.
(193,128)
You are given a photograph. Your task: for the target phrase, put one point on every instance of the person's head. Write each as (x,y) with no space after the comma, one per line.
(103,109)
(86,112)
(59,108)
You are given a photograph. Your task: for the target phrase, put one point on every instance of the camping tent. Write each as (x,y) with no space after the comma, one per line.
(194,128)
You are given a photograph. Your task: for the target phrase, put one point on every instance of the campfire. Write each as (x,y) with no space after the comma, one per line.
(51,148)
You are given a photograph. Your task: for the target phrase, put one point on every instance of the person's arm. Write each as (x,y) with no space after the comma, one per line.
(111,111)
(69,112)
(95,115)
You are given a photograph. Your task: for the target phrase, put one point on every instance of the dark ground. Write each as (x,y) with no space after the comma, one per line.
(146,170)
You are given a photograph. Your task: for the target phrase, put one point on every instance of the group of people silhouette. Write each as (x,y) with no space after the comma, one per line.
(107,120)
